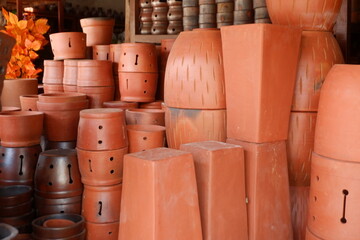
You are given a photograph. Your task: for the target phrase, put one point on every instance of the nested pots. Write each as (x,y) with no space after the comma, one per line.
(46,206)
(7,231)
(68,45)
(95,73)
(15,195)
(152,105)
(17,209)
(95,231)
(53,72)
(28,102)
(145,117)
(144,137)
(14,88)
(98,30)
(121,105)
(101,52)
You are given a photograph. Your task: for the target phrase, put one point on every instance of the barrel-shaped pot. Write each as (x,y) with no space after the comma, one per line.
(145,117)
(97,95)
(70,72)
(46,206)
(28,102)
(121,105)
(98,30)
(137,86)
(15,195)
(101,52)
(68,45)
(144,137)
(95,73)
(53,72)
(97,231)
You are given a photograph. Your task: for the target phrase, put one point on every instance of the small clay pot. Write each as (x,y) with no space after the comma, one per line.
(16,210)
(68,45)
(70,72)
(175,27)
(8,232)
(159,14)
(57,174)
(102,129)
(28,102)
(144,137)
(225,7)
(98,30)
(152,105)
(53,88)
(244,15)
(159,27)
(96,231)
(121,105)
(10,109)
(19,221)
(207,9)
(15,195)
(48,206)
(101,52)
(145,117)
(60,145)
(97,95)
(95,73)
(115,51)
(53,72)
(14,88)
(70,88)
(145,15)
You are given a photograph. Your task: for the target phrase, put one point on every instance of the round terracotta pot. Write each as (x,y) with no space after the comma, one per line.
(102,129)
(318,15)
(101,168)
(53,72)
(101,204)
(97,95)
(19,221)
(17,165)
(10,109)
(98,30)
(68,45)
(53,88)
(145,117)
(70,88)
(115,51)
(61,97)
(57,145)
(14,88)
(144,137)
(46,206)
(16,210)
(57,174)
(15,195)
(95,73)
(28,102)
(120,104)
(138,57)
(97,231)
(7,231)
(101,52)
(70,72)
(137,86)
(152,105)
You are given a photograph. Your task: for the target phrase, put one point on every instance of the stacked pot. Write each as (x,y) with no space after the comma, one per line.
(225,13)
(101,146)
(145,16)
(207,13)
(68,45)
(243,12)
(174,16)
(159,17)
(53,76)
(261,12)
(190,14)
(70,75)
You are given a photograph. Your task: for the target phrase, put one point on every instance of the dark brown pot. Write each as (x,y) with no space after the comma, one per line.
(120,104)
(98,30)
(97,95)
(95,73)
(28,102)
(70,72)
(68,45)
(16,210)
(95,231)
(57,174)
(101,52)
(145,117)
(19,221)
(15,195)
(53,72)
(57,145)
(14,88)
(80,236)
(144,137)
(53,88)
(48,206)
(8,232)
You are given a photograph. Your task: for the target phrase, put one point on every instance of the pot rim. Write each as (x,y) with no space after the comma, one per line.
(145,110)
(66,34)
(56,63)
(102,113)
(20,114)
(24,191)
(97,21)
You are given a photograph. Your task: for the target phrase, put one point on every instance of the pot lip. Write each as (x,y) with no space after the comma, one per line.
(20,114)
(145,110)
(115,187)
(25,190)
(67,106)
(12,230)
(146,128)
(71,62)
(63,34)
(97,21)
(115,46)
(10,109)
(101,152)
(67,222)
(92,62)
(58,153)
(61,97)
(106,46)
(58,201)
(21,79)
(101,113)
(137,45)
(118,104)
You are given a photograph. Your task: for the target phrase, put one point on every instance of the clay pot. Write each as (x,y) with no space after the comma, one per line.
(101,52)
(53,72)
(299,210)
(53,88)
(61,97)
(17,165)
(68,45)
(145,117)
(309,15)
(145,194)
(57,145)
(97,231)
(57,174)
(120,104)
(158,3)
(145,15)
(144,137)
(10,109)
(70,88)
(48,206)
(14,88)
(79,236)
(7,231)
(16,210)
(175,13)
(319,52)
(28,102)
(102,204)
(152,105)
(98,31)
(115,51)
(194,77)
(260,78)
(145,3)
(159,14)
(95,73)
(188,125)
(101,168)
(175,27)
(70,72)
(15,195)
(97,95)
(102,129)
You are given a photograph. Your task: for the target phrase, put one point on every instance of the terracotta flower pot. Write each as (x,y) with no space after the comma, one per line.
(265,78)
(101,168)
(46,206)
(57,145)
(68,45)
(16,210)
(7,231)
(102,129)
(299,210)
(28,102)
(144,137)
(21,128)
(53,72)
(152,105)
(57,174)
(101,52)
(145,117)
(14,88)
(95,231)
(223,164)
(97,95)
(15,195)
(146,194)
(115,51)
(310,15)
(61,97)
(98,31)
(194,77)
(10,109)
(95,73)
(102,204)
(121,105)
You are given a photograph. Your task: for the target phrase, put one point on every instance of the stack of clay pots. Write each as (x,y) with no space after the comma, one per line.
(207,13)
(166,45)
(243,12)
(261,11)
(102,144)
(53,76)
(225,13)
(174,16)
(58,187)
(70,75)
(190,14)
(159,17)
(258,100)
(145,16)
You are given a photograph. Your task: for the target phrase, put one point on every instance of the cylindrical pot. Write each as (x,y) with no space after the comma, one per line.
(57,174)
(95,73)
(8,232)
(53,88)
(53,72)
(46,206)
(145,117)
(15,195)
(98,30)
(97,231)
(97,95)
(101,52)
(28,102)
(70,72)
(68,45)
(14,88)
(16,210)
(102,129)
(144,137)
(121,105)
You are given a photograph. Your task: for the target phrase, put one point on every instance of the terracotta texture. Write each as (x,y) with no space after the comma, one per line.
(223,209)
(153,179)
(95,231)
(144,137)
(98,30)
(95,73)
(120,104)
(46,206)
(101,52)
(260,84)
(68,45)
(15,195)
(70,72)
(14,88)
(190,125)
(97,95)
(53,72)
(267,182)
(194,77)
(28,102)
(310,15)
(299,210)
(7,231)
(137,57)
(145,117)
(319,52)
(53,88)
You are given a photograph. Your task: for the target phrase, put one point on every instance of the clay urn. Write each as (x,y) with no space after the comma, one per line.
(144,137)
(7,231)
(57,174)
(95,231)
(97,95)
(16,210)
(95,73)
(145,117)
(120,104)
(53,88)
(53,72)
(70,75)
(46,206)
(15,195)
(152,105)
(102,129)
(98,30)
(68,45)
(10,109)
(101,52)
(28,102)
(14,88)
(115,51)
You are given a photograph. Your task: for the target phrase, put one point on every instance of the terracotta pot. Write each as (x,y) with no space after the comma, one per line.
(98,31)
(137,86)
(159,14)
(223,164)
(101,52)
(145,3)
(95,73)
(15,195)
(61,97)
(158,3)
(7,231)
(60,145)
(70,88)
(68,45)
(146,194)
(95,231)
(145,117)
(53,72)
(115,51)
(299,210)
(120,104)
(53,88)
(70,72)
(101,168)
(152,105)
(10,109)
(48,206)
(189,125)
(16,210)
(194,77)
(19,221)
(336,125)
(260,78)
(174,3)
(17,165)
(102,204)
(57,223)
(28,102)
(102,129)
(144,137)
(145,15)
(14,88)
(319,52)
(57,174)
(97,95)
(21,128)
(318,15)
(166,45)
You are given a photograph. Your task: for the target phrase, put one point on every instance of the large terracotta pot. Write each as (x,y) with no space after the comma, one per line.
(194,77)
(259,84)
(7,231)
(46,206)
(53,72)
(15,195)
(95,73)
(70,72)
(101,52)
(14,88)
(95,231)
(97,95)
(98,31)
(299,211)
(120,104)
(144,137)
(28,102)
(145,117)
(319,15)
(68,45)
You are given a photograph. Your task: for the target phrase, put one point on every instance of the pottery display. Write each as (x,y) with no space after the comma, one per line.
(94,73)
(101,52)
(68,45)
(53,72)
(299,197)
(46,206)
(53,88)
(7,231)
(145,117)
(144,137)
(28,102)
(98,30)
(14,88)
(120,104)
(97,95)
(95,231)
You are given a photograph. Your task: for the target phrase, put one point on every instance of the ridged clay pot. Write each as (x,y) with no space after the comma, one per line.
(7,231)
(53,88)
(97,95)
(144,137)
(15,195)
(46,206)
(95,73)
(145,117)
(101,52)
(28,102)
(16,210)
(70,72)
(53,72)
(14,88)
(120,104)
(68,45)
(97,231)
(98,31)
